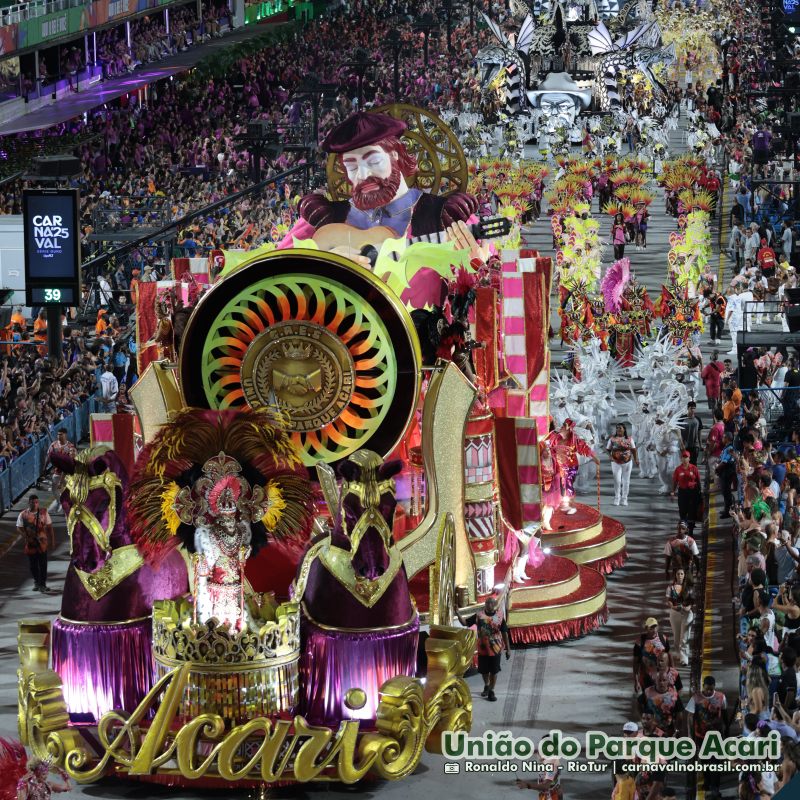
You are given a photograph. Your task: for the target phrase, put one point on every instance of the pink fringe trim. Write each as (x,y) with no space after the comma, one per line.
(218,783)
(559,631)
(605,566)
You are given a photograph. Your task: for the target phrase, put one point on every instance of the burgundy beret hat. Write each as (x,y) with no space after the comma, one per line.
(361,129)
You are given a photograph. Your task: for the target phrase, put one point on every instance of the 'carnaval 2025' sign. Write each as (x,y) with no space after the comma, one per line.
(52,246)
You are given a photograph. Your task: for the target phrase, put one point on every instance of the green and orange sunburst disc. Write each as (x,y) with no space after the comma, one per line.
(315,336)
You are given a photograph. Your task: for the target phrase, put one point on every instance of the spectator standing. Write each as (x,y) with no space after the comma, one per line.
(712,380)
(686,483)
(706,710)
(743,198)
(752,244)
(681,550)
(103,290)
(63,446)
(762,141)
(680,601)
(736,246)
(716,316)
(691,430)
(36,528)
(736,304)
(787,240)
(715,441)
(120,279)
(109,389)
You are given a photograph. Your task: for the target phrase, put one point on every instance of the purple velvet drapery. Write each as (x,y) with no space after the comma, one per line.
(103,667)
(333,662)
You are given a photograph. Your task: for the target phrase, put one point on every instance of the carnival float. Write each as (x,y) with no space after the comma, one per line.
(340,442)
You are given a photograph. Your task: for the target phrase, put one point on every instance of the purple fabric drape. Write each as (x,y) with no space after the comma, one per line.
(333,662)
(103,667)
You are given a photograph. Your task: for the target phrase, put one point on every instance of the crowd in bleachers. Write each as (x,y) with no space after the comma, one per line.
(151,41)
(754,458)
(35,394)
(182,146)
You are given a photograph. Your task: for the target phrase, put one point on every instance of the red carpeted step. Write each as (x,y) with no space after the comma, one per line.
(592,585)
(546,620)
(606,549)
(584,517)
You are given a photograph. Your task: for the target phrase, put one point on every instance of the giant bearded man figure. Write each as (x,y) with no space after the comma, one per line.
(377,165)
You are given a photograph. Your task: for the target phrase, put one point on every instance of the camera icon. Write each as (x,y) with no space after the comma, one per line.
(451,768)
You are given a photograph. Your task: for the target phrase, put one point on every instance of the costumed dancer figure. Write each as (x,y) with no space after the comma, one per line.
(567,446)
(530,552)
(22,778)
(644,428)
(576,315)
(656,363)
(550,478)
(561,396)
(219,483)
(669,445)
(221,543)
(599,375)
(638,310)
(613,288)
(622,450)
(604,323)
(584,479)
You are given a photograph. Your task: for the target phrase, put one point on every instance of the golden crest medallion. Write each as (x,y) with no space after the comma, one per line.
(304,369)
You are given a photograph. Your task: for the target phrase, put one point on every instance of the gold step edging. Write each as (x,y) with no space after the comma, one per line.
(594,552)
(558,612)
(575,536)
(547,591)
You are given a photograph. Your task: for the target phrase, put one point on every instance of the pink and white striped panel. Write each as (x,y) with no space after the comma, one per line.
(514,319)
(539,406)
(480,527)
(528,469)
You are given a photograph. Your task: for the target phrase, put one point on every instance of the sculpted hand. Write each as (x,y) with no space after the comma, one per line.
(352,254)
(460,233)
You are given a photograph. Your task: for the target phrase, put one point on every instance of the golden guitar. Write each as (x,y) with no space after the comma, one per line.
(340,234)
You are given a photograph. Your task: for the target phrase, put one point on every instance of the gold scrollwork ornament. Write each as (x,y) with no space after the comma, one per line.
(410,719)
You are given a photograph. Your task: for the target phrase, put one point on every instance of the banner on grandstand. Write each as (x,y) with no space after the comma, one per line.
(72,21)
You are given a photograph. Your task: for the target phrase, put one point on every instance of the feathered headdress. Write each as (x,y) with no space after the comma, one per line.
(461,291)
(13,766)
(206,460)
(614,282)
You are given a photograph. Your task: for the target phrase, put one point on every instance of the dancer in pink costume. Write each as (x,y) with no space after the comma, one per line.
(566,447)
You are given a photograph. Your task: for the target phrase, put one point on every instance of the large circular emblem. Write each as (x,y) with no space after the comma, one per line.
(302,368)
(316,337)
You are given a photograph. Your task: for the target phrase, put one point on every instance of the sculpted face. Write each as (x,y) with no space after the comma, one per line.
(559,108)
(374,175)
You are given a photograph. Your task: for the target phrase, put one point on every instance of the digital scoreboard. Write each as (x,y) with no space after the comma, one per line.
(52,247)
